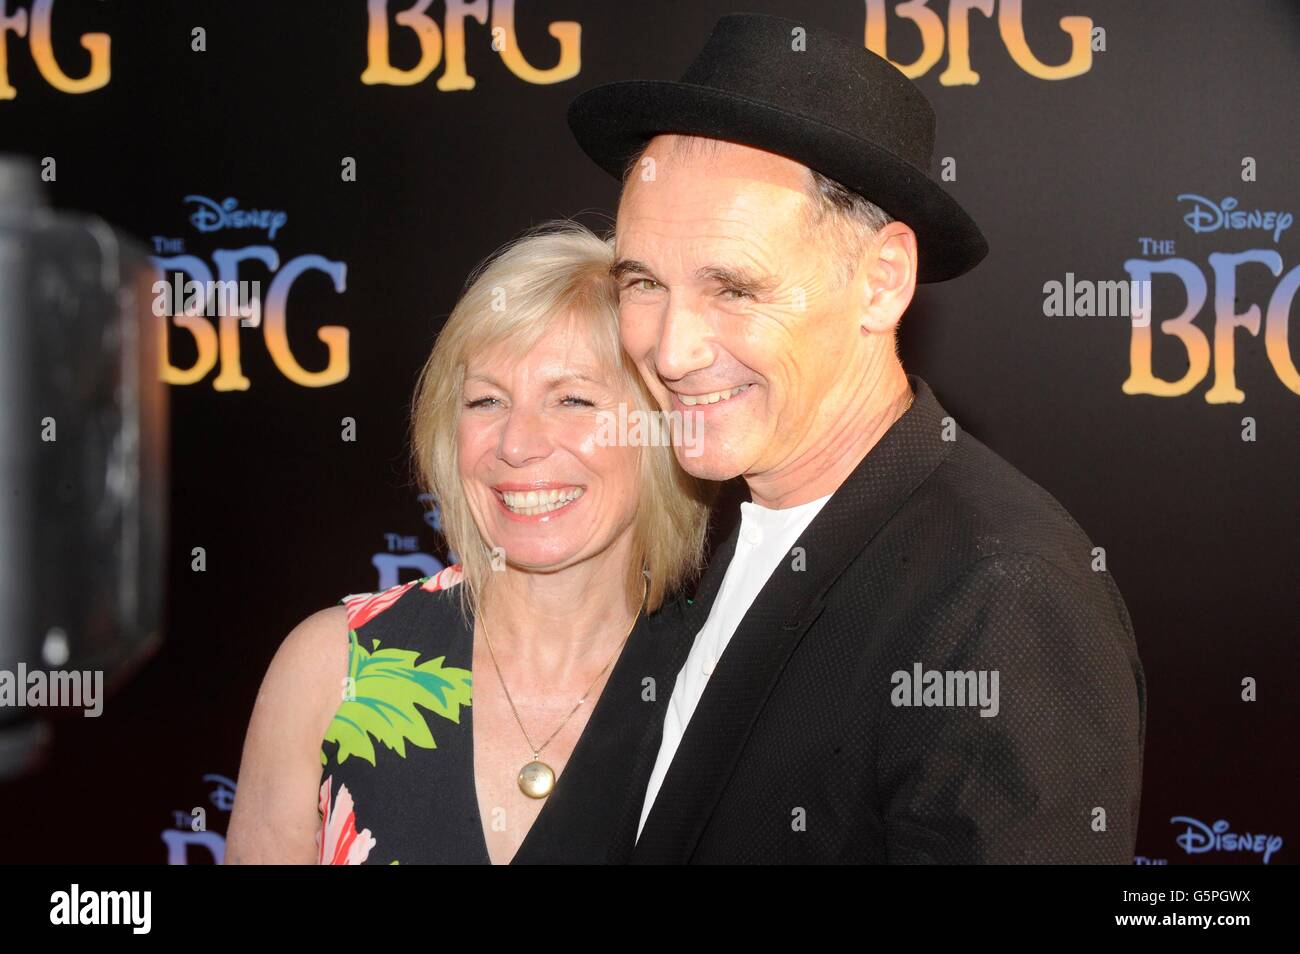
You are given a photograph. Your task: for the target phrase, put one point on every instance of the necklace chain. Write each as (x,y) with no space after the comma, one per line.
(537,750)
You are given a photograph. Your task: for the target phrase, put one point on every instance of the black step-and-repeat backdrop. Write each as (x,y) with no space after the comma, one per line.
(358,159)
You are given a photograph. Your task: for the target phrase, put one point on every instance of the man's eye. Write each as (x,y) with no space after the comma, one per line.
(734,294)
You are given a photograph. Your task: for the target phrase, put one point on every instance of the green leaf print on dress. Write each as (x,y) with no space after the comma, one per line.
(387,686)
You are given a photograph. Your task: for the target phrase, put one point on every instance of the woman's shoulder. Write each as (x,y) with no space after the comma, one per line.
(418,625)
(406,647)
(360,609)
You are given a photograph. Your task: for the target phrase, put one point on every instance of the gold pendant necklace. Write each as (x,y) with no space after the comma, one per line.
(537,779)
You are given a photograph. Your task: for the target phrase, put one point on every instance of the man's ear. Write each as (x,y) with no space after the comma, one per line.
(890,281)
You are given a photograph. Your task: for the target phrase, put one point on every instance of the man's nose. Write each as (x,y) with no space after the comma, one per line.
(684,342)
(524,437)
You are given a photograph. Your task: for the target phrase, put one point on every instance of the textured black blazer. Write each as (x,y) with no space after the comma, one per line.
(934,551)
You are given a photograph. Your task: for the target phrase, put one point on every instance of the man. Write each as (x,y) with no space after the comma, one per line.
(903,652)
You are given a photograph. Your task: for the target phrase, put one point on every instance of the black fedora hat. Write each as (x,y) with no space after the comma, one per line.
(828,103)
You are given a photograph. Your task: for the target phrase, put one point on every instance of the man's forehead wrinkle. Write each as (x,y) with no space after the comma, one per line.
(724,223)
(754,222)
(729,224)
(719,192)
(706,250)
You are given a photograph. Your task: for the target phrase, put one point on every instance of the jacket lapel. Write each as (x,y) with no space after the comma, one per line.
(788,604)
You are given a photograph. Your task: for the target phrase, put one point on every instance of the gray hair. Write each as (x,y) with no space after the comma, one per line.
(843,219)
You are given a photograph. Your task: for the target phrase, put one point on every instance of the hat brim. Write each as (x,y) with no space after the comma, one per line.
(613,121)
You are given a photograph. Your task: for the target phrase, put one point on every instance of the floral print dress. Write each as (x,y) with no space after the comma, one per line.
(397,760)
(385,683)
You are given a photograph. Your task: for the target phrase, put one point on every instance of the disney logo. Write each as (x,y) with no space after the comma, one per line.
(211,216)
(223,795)
(1200,838)
(1208,217)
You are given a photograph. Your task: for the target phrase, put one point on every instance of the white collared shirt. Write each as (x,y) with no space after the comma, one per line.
(766,538)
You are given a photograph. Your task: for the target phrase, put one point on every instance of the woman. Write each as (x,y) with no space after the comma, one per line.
(494,712)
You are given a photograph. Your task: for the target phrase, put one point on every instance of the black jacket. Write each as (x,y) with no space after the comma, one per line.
(933,552)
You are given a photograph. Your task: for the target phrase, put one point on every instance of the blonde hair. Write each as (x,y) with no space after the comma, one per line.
(554,272)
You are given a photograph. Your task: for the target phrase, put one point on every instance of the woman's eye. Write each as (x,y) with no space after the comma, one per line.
(480,402)
(579,402)
(641,284)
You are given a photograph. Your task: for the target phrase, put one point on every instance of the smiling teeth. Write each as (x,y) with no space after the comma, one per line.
(536,502)
(691,400)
